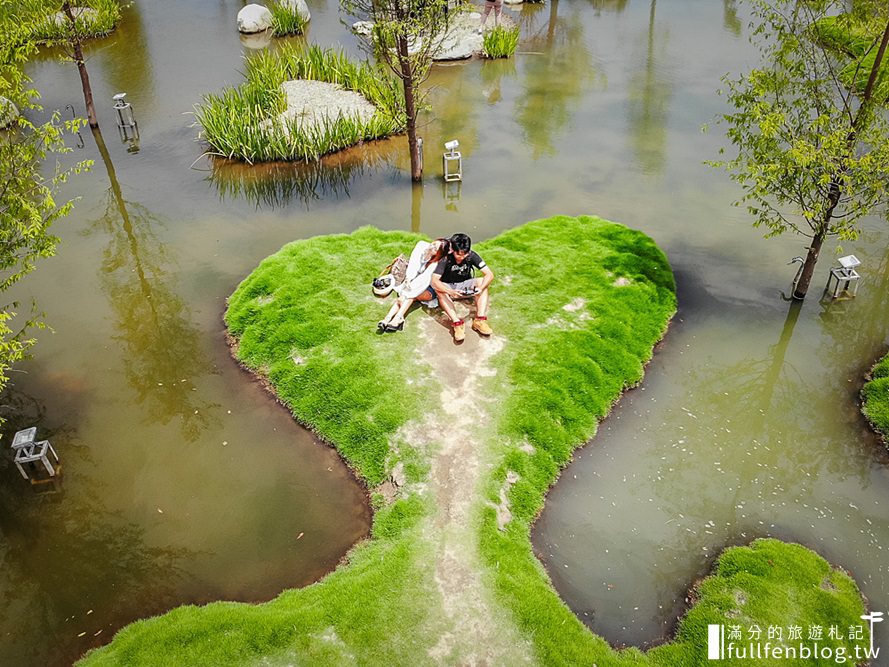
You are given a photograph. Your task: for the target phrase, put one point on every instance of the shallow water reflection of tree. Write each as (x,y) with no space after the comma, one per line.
(556,74)
(126,60)
(70,565)
(649,97)
(616,6)
(162,355)
(730,17)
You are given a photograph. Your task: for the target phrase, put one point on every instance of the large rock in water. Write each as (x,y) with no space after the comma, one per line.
(8,112)
(300,7)
(462,39)
(254,18)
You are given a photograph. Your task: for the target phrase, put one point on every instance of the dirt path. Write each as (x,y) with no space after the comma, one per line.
(473,629)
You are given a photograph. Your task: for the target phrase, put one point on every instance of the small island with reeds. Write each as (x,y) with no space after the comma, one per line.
(269,117)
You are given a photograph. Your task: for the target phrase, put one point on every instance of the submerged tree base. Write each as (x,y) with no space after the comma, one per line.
(465,441)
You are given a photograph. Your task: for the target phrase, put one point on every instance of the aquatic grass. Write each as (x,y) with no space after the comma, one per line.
(105,18)
(241,123)
(285,19)
(501,41)
(875,397)
(303,320)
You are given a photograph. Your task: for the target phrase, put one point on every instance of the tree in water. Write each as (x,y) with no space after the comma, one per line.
(405,36)
(67,24)
(813,151)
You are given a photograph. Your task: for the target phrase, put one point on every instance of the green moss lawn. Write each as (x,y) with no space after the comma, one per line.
(875,397)
(577,307)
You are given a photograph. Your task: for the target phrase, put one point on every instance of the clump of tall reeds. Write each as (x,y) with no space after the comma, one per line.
(500,41)
(92,18)
(243,122)
(285,19)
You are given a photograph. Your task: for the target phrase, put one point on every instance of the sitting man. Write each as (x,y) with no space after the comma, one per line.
(452,279)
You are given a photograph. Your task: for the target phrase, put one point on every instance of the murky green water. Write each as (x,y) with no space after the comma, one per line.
(184,482)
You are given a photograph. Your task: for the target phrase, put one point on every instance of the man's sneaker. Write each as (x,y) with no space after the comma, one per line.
(459,331)
(480,324)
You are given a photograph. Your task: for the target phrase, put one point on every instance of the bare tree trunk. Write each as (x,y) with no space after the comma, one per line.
(809,267)
(410,108)
(81,67)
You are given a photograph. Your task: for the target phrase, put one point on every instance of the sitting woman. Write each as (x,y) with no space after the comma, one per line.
(415,287)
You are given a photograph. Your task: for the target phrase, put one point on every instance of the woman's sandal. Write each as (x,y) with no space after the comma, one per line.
(382,325)
(393,328)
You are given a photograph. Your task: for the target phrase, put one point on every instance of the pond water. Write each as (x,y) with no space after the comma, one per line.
(184,482)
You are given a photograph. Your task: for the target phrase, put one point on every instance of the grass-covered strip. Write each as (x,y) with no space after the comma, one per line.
(92,18)
(500,41)
(859,41)
(875,397)
(242,122)
(585,322)
(579,303)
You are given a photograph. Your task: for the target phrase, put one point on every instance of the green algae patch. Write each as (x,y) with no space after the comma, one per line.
(875,397)
(577,306)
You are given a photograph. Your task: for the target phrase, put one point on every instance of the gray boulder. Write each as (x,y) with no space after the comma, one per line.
(363,28)
(83,15)
(254,18)
(462,39)
(300,7)
(8,112)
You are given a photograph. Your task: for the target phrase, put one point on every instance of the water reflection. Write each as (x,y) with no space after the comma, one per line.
(616,6)
(767,436)
(649,97)
(278,184)
(555,78)
(69,563)
(492,73)
(730,17)
(162,352)
(126,59)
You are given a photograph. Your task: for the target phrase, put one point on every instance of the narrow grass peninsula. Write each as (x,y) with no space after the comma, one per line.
(458,445)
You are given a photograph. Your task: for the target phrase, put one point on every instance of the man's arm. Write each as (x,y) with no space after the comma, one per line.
(441,288)
(487,278)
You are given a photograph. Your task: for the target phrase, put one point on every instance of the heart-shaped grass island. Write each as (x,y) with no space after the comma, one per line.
(458,445)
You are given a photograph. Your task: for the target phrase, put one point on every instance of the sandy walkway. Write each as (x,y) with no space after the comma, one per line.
(472,628)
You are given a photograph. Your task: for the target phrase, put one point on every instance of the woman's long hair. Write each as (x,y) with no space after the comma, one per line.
(437,250)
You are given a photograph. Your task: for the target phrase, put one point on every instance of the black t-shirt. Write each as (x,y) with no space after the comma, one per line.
(451,272)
